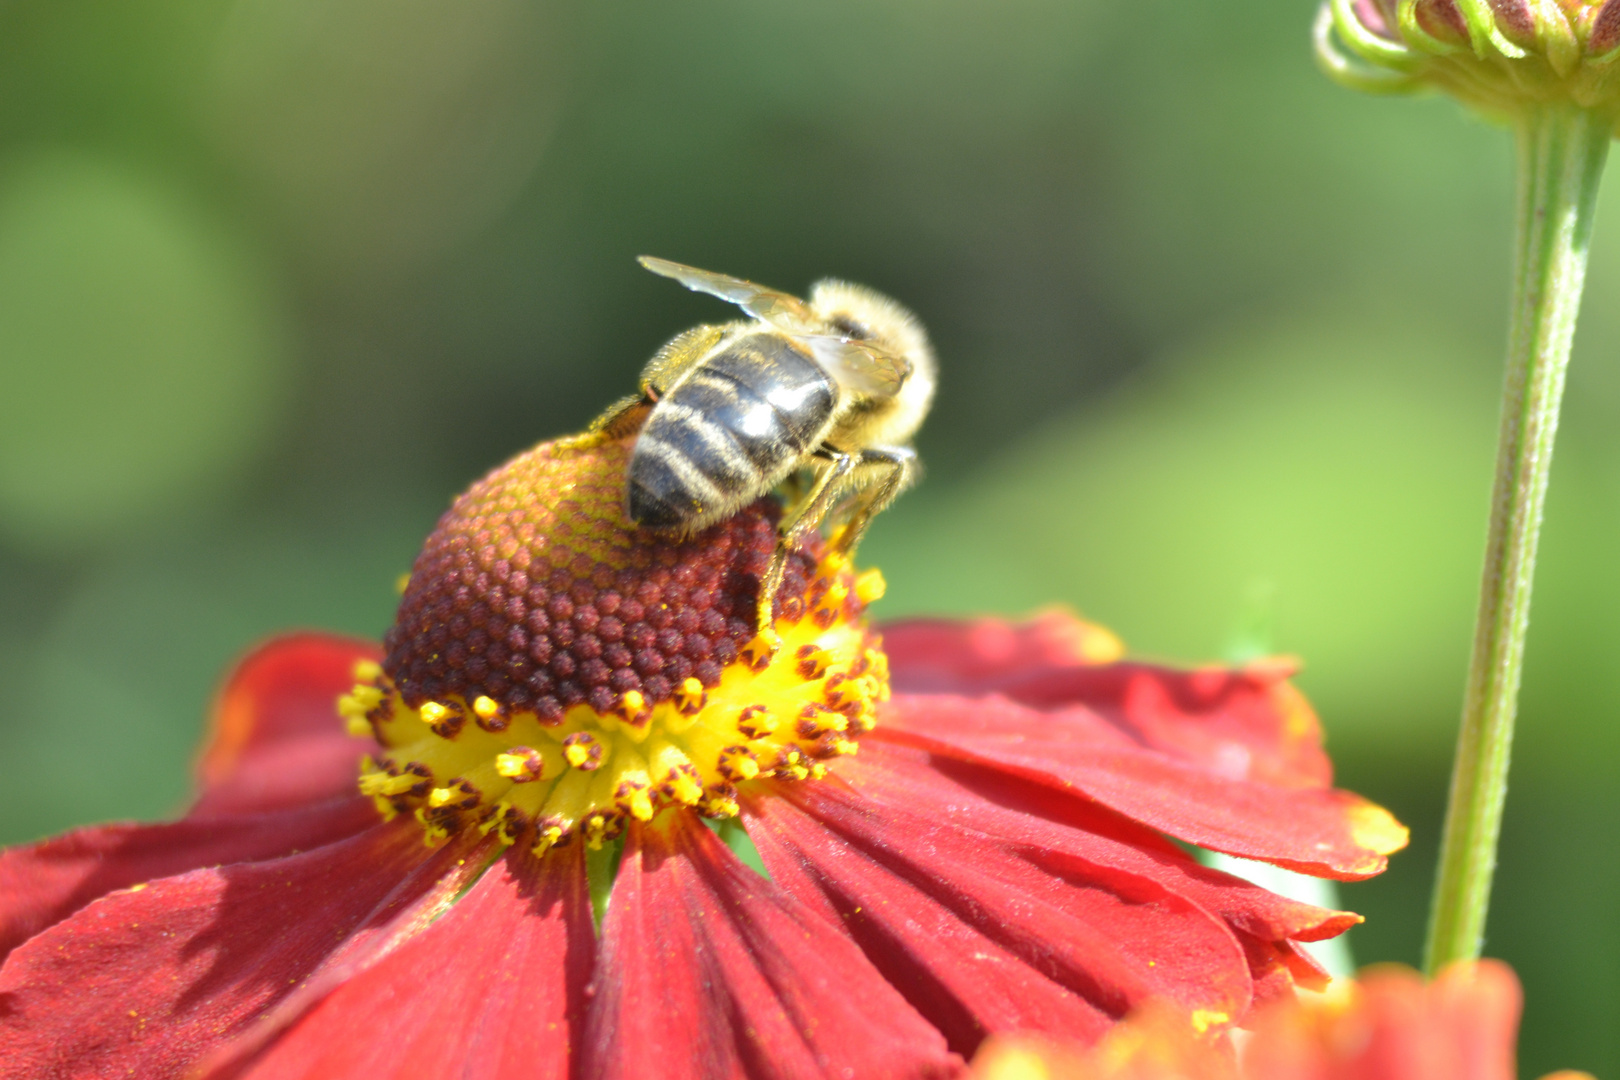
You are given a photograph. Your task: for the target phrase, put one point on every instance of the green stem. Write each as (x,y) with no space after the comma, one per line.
(1561,155)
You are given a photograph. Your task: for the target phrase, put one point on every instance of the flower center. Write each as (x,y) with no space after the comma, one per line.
(555,672)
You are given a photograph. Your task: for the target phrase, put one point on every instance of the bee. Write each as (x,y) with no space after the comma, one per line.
(832,389)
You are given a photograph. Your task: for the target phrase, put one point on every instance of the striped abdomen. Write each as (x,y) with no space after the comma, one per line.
(728,433)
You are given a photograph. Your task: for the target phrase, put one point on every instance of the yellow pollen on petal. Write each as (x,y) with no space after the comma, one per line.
(546,837)
(636,802)
(755,721)
(817,720)
(434,831)
(690,697)
(632,708)
(813,661)
(738,763)
(601,826)
(361,700)
(870,586)
(582,750)
(1371,826)
(683,787)
(382,783)
(790,764)
(486,707)
(521,764)
(757,653)
(719,802)
(834,597)
(675,778)
(1204,1019)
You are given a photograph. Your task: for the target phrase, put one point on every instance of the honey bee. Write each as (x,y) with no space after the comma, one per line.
(833,388)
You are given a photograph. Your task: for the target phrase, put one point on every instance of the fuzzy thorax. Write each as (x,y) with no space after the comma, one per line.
(555,672)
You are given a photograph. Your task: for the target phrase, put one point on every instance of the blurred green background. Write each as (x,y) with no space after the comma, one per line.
(1220,342)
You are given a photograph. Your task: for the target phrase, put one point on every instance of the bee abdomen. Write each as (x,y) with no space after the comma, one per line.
(773,397)
(727,434)
(665,490)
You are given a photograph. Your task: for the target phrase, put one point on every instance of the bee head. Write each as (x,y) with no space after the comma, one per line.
(857,312)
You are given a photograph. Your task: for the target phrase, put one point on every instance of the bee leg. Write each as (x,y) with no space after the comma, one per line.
(896,468)
(622,419)
(792,489)
(807,515)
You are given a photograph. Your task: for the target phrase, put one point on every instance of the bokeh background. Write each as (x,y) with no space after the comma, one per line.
(1220,341)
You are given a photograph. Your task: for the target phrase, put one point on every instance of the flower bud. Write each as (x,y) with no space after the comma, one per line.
(1500,56)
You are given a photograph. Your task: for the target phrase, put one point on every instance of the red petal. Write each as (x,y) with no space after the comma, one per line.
(1303,967)
(45,882)
(964,656)
(978,938)
(708,971)
(494,989)
(1045,825)
(143,982)
(1316,830)
(1249,724)
(275,739)
(1281,967)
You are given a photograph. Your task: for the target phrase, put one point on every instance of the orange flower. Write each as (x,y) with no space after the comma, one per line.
(1392,1025)
(1387,1025)
(1156,1043)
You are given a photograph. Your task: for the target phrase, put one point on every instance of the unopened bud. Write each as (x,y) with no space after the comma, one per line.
(1500,56)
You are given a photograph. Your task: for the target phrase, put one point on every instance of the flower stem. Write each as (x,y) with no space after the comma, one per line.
(1561,155)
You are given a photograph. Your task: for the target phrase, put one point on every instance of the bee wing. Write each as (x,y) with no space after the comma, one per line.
(859,365)
(780,309)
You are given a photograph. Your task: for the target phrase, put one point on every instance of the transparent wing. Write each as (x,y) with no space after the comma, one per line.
(860,365)
(777,308)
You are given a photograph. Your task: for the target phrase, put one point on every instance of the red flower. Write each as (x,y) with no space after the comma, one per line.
(995,858)
(1387,1025)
